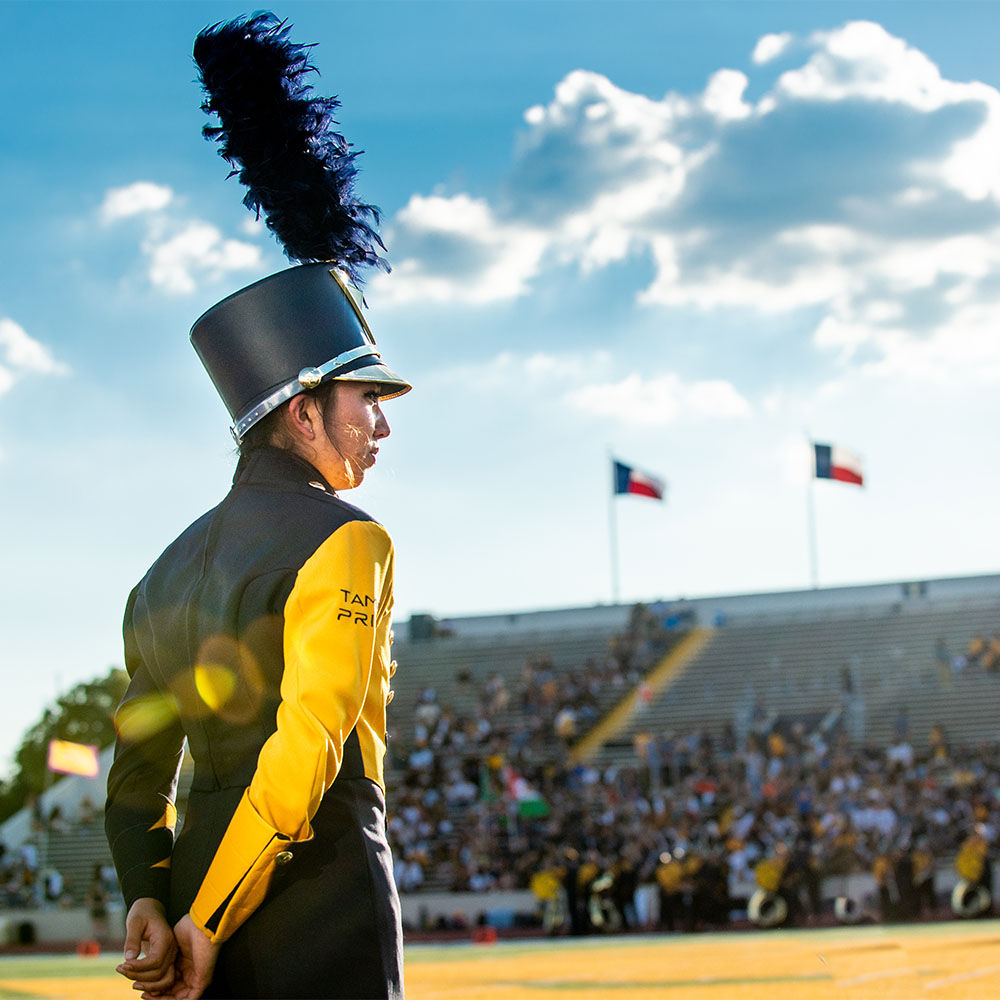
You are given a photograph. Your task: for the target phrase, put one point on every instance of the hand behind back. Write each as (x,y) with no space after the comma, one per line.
(147,934)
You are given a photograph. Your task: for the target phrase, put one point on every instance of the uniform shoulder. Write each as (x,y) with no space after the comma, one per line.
(186,549)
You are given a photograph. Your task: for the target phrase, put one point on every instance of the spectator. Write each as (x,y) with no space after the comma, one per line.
(97,906)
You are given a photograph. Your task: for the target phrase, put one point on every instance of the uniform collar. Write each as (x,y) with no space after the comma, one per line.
(277,465)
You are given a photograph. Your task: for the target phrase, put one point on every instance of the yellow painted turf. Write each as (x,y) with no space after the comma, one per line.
(948,961)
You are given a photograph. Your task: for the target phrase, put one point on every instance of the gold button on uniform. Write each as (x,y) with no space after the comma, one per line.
(283,857)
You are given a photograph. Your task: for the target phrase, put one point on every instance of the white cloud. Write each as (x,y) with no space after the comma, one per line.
(770,47)
(138,198)
(633,400)
(973,168)
(860,185)
(716,398)
(454,249)
(23,355)
(748,281)
(510,374)
(179,252)
(660,400)
(842,336)
(723,96)
(614,160)
(253,226)
(197,251)
(967,343)
(862,60)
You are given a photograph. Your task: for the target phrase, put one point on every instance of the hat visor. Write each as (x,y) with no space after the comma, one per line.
(390,384)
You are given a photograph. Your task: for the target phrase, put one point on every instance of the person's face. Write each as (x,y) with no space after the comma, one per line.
(354,425)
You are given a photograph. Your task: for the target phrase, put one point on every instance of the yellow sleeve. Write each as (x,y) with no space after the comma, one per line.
(336,628)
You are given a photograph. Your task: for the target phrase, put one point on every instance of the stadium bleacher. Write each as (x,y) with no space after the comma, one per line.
(869,665)
(862,664)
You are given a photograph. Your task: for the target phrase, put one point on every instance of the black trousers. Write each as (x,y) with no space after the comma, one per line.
(330,924)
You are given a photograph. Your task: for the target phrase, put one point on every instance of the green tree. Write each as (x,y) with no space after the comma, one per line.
(84,714)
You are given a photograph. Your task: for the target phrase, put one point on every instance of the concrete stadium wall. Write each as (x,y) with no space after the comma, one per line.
(57,927)
(424,908)
(902,596)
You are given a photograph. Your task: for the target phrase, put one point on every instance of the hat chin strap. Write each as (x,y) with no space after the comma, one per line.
(308,378)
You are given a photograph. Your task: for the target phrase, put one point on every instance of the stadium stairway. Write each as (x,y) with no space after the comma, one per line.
(666,672)
(75,852)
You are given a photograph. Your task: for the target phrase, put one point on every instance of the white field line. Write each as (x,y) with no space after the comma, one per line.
(961,977)
(870,977)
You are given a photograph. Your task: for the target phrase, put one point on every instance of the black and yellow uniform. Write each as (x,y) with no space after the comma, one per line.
(261,636)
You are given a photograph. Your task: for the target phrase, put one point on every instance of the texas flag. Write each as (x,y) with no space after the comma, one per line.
(630,480)
(833,462)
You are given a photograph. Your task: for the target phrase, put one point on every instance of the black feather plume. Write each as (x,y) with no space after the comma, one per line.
(279,139)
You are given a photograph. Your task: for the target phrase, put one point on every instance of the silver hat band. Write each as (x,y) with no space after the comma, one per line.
(308,378)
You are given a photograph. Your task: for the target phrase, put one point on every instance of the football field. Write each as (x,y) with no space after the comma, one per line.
(945,961)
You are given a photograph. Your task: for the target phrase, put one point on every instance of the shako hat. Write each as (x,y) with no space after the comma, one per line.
(284,334)
(289,332)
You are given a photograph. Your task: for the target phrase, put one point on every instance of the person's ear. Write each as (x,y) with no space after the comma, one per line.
(304,417)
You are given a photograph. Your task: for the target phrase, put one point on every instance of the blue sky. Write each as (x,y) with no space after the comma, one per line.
(688,234)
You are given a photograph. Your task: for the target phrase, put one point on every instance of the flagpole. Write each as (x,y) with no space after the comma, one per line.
(613,534)
(811,515)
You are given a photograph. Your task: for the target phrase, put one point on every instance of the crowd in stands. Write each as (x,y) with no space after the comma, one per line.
(489,799)
(980,653)
(462,770)
(485,795)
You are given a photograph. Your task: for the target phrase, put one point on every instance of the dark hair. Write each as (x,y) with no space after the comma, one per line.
(268,431)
